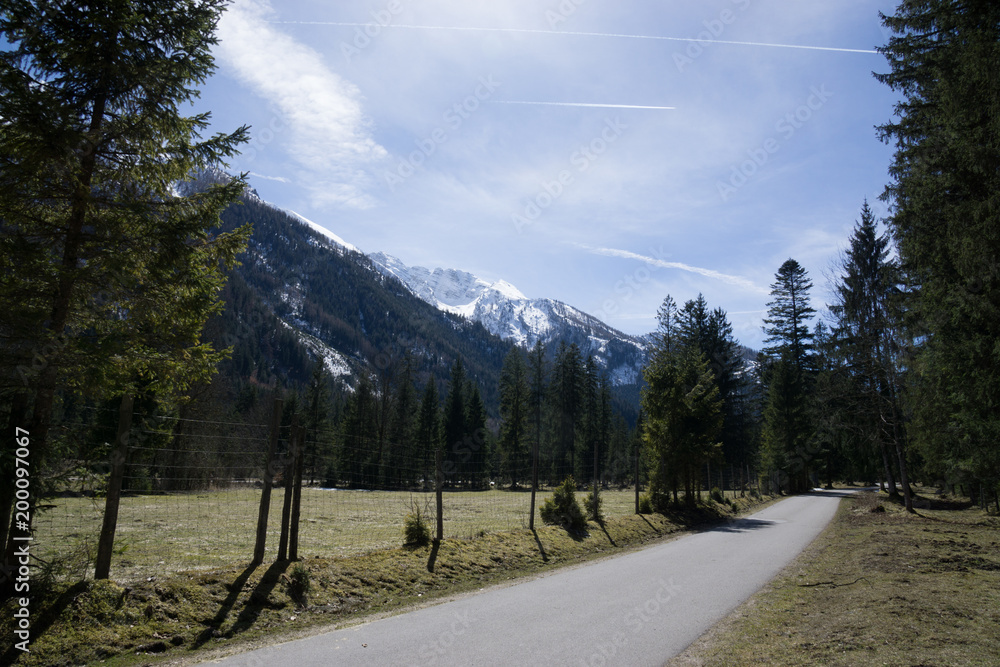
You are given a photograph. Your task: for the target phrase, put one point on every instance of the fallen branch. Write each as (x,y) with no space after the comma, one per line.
(834,585)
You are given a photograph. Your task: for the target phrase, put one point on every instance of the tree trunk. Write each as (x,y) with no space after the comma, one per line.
(890,477)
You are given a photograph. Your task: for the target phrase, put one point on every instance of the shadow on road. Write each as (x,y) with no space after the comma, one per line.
(740,526)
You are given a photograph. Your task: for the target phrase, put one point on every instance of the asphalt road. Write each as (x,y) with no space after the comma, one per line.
(641,608)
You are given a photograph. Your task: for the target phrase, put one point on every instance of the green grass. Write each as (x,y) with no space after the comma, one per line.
(192,616)
(163,533)
(878,587)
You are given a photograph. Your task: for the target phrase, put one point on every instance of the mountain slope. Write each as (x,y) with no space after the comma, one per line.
(302,294)
(503,310)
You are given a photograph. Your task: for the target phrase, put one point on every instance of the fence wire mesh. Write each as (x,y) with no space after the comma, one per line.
(192,489)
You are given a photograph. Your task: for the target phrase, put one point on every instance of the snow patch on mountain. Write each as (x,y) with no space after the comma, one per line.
(316,227)
(505,311)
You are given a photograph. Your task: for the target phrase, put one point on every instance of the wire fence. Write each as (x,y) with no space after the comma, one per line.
(191,496)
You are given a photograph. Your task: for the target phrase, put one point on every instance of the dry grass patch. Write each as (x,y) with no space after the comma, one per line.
(877,588)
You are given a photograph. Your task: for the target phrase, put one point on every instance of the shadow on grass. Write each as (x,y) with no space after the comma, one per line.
(257,602)
(227,606)
(606,534)
(541,549)
(432,559)
(41,623)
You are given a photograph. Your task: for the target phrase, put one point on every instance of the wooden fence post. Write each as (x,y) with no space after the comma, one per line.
(102,568)
(534,483)
(438,485)
(637,450)
(286,507)
(298,437)
(265,494)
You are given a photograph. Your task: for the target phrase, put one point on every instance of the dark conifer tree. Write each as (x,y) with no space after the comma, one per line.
(787,428)
(946,220)
(515,411)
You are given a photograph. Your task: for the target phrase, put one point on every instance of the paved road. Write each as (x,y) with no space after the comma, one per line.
(638,609)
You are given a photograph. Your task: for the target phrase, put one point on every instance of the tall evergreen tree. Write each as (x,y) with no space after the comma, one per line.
(867,330)
(316,421)
(566,392)
(402,449)
(428,432)
(107,275)
(787,429)
(945,191)
(515,410)
(453,427)
(476,442)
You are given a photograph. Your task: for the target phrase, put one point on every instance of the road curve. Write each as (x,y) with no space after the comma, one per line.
(641,608)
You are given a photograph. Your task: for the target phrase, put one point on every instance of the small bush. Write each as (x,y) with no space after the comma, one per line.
(592,504)
(298,584)
(717,496)
(562,509)
(645,504)
(416,532)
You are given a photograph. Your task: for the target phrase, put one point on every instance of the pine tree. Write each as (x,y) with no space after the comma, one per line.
(566,392)
(515,408)
(787,429)
(454,425)
(428,434)
(945,191)
(683,421)
(401,444)
(537,377)
(107,275)
(867,329)
(317,406)
(476,442)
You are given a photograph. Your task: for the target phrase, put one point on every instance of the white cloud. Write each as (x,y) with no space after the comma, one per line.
(329,136)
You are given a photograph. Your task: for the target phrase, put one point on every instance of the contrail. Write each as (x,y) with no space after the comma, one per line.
(738,281)
(581,104)
(587,34)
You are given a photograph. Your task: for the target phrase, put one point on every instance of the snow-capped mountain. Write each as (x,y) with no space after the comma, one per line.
(506,312)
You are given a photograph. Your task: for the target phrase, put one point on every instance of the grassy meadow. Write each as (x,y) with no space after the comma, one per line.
(162,533)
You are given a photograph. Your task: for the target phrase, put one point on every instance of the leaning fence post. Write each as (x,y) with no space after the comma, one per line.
(265,494)
(438,484)
(286,507)
(102,568)
(298,440)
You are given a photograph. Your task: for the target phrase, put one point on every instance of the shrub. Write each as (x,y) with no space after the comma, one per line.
(717,496)
(562,509)
(645,504)
(592,504)
(298,584)
(416,532)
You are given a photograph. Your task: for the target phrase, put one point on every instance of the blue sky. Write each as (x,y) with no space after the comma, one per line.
(605,154)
